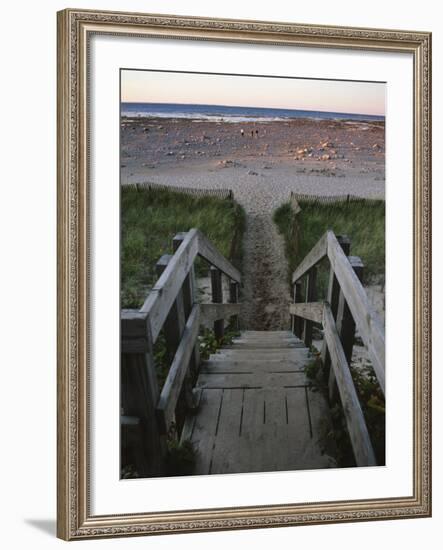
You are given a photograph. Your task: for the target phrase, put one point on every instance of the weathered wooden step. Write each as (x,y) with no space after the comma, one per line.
(264,345)
(252,366)
(259,379)
(262,354)
(266,333)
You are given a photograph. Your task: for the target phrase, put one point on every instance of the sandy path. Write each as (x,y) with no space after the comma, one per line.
(265,293)
(262,173)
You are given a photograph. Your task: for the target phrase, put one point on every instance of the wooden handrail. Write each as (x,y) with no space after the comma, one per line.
(176,375)
(208,251)
(351,308)
(317,253)
(367,321)
(162,295)
(355,421)
(171,307)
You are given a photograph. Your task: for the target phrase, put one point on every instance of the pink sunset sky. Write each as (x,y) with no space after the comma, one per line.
(251,91)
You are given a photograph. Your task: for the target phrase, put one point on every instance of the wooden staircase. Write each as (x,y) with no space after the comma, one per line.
(257,410)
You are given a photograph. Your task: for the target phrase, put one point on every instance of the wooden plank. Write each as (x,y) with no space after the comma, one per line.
(233,299)
(252,438)
(297,322)
(368,323)
(276,346)
(162,296)
(332,298)
(358,432)
(321,424)
(133,331)
(275,433)
(251,366)
(211,312)
(174,381)
(188,427)
(317,253)
(265,333)
(311,295)
(189,293)
(258,379)
(175,321)
(345,325)
(313,311)
(300,451)
(291,354)
(207,251)
(225,457)
(204,429)
(139,394)
(217,298)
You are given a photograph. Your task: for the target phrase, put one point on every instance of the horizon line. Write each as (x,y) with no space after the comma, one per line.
(252,107)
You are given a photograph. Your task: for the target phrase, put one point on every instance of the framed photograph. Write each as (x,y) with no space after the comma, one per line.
(243,274)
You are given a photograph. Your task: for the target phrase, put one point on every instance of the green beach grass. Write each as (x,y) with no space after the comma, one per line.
(149,220)
(362,221)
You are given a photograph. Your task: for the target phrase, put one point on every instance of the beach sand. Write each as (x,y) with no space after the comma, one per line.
(262,166)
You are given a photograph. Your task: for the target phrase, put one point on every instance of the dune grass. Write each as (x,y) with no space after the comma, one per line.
(149,220)
(362,221)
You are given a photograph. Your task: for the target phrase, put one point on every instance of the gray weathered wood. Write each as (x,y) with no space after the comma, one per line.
(174,381)
(313,311)
(217,298)
(227,431)
(345,325)
(233,299)
(188,292)
(358,432)
(133,331)
(243,427)
(256,379)
(311,295)
(332,298)
(207,250)
(204,429)
(251,366)
(162,296)
(213,312)
(297,322)
(133,450)
(174,324)
(139,394)
(367,321)
(317,253)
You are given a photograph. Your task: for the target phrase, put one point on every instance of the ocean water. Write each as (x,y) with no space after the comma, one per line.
(223,113)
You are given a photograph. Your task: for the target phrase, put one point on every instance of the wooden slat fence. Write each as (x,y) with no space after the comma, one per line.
(331,199)
(194,191)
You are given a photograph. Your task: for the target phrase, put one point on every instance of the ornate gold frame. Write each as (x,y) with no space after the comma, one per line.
(74,518)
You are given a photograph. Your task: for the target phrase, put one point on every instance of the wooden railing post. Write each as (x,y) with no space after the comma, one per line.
(139,395)
(311,296)
(189,296)
(345,325)
(173,328)
(297,322)
(217,298)
(233,299)
(332,299)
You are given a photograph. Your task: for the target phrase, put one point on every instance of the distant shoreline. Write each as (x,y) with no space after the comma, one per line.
(222,113)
